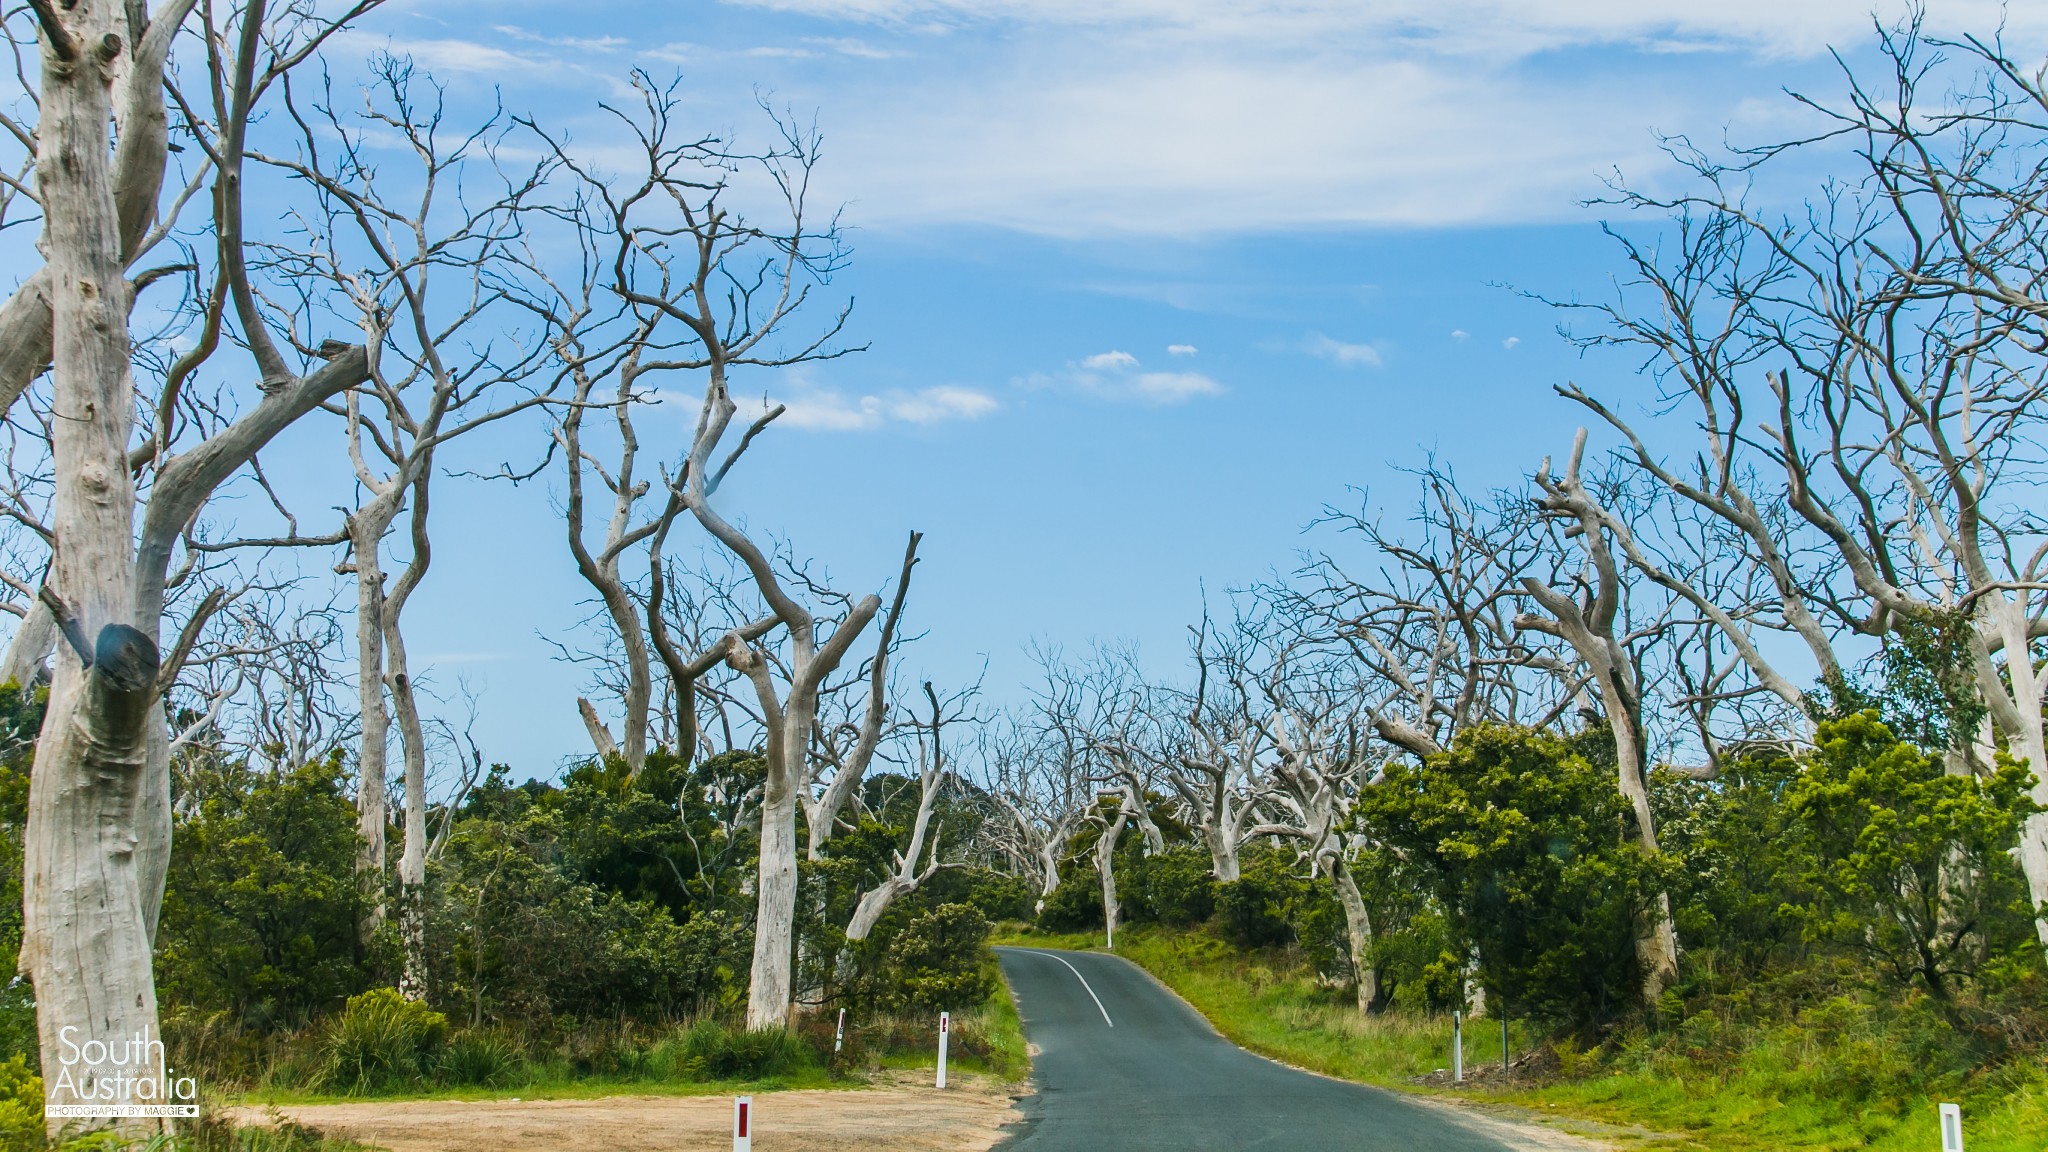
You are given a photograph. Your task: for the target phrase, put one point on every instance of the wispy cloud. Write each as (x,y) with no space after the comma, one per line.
(1118,375)
(852,46)
(830,410)
(439,55)
(1180,350)
(1342,354)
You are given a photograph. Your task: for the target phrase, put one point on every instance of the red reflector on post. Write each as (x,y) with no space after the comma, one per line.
(743,1119)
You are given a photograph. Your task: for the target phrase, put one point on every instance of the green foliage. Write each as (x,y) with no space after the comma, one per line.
(941,960)
(1074,906)
(21,1105)
(517,937)
(381,1041)
(1257,910)
(1174,887)
(1907,863)
(480,1058)
(997,895)
(21,718)
(714,1052)
(260,905)
(1521,842)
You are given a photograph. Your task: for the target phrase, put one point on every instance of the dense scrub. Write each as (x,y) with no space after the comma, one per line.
(596,929)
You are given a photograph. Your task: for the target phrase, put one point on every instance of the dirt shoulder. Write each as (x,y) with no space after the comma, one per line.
(900,1114)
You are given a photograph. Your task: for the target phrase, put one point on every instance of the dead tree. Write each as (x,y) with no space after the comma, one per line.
(98,835)
(1218,751)
(422,271)
(1586,613)
(694,288)
(1891,338)
(933,777)
(1037,777)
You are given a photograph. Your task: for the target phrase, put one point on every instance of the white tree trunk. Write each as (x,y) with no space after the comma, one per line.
(1105,870)
(1357,931)
(769,994)
(412,860)
(28,653)
(366,535)
(1222,844)
(86,943)
(1048,873)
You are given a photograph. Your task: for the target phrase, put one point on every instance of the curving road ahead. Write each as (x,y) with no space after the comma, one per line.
(1124,1064)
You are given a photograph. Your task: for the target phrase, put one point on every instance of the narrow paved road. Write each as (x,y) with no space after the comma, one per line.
(1124,1064)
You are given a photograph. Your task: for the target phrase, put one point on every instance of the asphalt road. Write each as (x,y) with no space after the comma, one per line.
(1124,1064)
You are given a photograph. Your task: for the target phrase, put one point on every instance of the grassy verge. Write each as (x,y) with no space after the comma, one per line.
(987,1038)
(1807,1086)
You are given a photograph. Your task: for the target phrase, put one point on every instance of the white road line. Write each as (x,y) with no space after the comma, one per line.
(1081,978)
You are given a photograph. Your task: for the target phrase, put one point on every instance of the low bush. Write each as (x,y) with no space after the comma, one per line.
(713,1052)
(381,1041)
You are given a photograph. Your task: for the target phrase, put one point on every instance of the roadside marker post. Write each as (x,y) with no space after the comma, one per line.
(839,1037)
(1457,1047)
(743,1124)
(1951,1128)
(1503,1043)
(945,1027)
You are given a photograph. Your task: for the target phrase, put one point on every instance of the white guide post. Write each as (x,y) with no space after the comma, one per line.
(945,1029)
(839,1037)
(743,1124)
(1457,1047)
(1951,1128)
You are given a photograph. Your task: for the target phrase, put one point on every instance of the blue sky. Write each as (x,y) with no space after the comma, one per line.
(1146,282)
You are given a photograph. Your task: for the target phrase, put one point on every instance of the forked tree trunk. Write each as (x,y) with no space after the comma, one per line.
(1357,932)
(1222,845)
(1105,870)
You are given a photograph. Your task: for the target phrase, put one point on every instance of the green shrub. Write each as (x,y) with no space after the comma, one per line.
(381,1041)
(1074,906)
(941,960)
(21,1105)
(713,1052)
(1257,909)
(479,1058)
(1177,886)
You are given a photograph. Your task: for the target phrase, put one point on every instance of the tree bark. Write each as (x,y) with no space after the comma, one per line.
(366,535)
(28,654)
(1357,932)
(1105,870)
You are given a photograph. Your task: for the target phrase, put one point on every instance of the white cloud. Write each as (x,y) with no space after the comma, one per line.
(852,46)
(1510,342)
(830,410)
(1180,349)
(1460,335)
(1180,117)
(1115,375)
(1342,354)
(581,44)
(943,403)
(1488,27)
(438,55)
(1173,387)
(1110,361)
